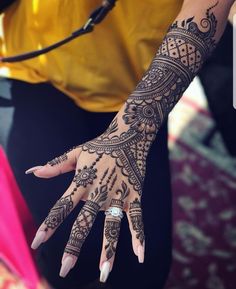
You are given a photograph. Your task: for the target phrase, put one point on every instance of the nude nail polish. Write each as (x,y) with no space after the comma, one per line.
(32,170)
(105,270)
(38,239)
(66,266)
(140,254)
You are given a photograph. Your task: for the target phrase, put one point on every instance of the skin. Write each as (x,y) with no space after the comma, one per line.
(110,169)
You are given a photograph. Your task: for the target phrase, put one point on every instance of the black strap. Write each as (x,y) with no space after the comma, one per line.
(4,4)
(95,18)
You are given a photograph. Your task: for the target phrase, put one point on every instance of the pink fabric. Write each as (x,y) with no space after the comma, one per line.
(16,227)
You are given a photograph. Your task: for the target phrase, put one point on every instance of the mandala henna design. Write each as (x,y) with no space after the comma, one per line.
(142,116)
(85,176)
(135,214)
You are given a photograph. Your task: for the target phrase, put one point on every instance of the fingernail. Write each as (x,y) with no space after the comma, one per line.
(140,254)
(105,270)
(31,170)
(38,239)
(67,264)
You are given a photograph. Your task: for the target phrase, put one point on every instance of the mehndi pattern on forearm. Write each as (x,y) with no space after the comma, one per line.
(179,58)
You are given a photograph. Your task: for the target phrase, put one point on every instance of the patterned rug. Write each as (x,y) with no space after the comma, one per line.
(204,200)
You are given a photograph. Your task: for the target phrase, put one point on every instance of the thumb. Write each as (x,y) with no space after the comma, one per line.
(59,165)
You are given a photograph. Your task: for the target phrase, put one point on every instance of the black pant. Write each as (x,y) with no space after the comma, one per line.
(37,122)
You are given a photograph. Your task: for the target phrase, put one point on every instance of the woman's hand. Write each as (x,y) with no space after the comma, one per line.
(109,174)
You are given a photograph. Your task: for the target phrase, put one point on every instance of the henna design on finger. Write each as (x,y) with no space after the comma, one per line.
(87,215)
(112,224)
(112,231)
(58,160)
(59,212)
(135,213)
(65,204)
(81,228)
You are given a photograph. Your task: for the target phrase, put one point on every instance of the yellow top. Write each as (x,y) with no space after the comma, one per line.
(98,70)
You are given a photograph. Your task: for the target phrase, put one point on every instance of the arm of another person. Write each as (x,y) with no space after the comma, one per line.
(110,170)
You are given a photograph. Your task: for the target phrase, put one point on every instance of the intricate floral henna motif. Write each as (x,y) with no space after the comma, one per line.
(85,176)
(143,116)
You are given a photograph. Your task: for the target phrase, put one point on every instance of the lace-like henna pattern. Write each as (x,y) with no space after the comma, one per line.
(135,214)
(87,215)
(81,227)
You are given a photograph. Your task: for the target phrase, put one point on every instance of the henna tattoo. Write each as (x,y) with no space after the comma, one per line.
(135,214)
(64,205)
(124,149)
(112,224)
(179,58)
(59,212)
(58,160)
(87,215)
(81,228)
(104,175)
(113,183)
(123,192)
(85,176)
(112,231)
(142,116)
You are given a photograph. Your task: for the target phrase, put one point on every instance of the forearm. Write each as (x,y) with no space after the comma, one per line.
(188,43)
